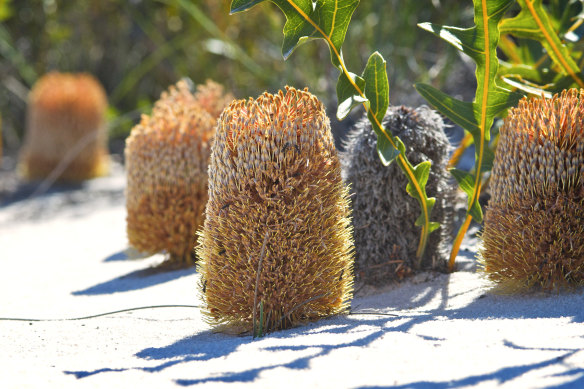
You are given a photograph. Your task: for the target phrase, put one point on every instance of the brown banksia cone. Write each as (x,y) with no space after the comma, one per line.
(65,129)
(277,236)
(386,239)
(534,225)
(167,155)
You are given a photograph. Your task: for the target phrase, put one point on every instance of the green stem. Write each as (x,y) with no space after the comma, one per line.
(403,162)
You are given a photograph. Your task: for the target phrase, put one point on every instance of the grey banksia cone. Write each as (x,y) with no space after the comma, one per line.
(386,238)
(534,224)
(277,238)
(167,155)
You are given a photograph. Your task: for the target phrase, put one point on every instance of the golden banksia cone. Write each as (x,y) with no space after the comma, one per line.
(167,155)
(277,235)
(534,226)
(66,128)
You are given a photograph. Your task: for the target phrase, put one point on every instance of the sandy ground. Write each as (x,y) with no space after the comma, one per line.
(63,255)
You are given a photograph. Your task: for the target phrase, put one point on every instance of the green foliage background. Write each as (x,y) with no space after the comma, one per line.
(136,48)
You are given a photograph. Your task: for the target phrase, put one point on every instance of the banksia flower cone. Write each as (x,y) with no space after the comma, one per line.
(534,225)
(66,129)
(167,155)
(386,238)
(277,237)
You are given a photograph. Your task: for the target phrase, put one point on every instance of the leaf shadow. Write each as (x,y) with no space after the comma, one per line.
(207,345)
(368,328)
(499,376)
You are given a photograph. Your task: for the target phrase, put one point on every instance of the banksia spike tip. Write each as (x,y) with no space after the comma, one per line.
(278,217)
(211,98)
(66,129)
(167,155)
(386,238)
(534,225)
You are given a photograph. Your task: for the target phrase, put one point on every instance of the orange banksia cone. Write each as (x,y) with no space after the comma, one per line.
(534,224)
(66,129)
(276,245)
(167,155)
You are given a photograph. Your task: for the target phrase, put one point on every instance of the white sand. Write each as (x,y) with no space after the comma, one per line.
(63,260)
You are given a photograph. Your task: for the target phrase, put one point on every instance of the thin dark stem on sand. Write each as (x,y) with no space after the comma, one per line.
(104,313)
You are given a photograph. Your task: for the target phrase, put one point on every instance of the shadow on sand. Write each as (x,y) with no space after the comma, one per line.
(136,280)
(207,346)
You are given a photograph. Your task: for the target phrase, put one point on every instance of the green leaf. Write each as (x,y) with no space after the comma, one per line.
(243,5)
(376,91)
(333,17)
(6,10)
(466,182)
(377,85)
(386,151)
(480,43)
(373,84)
(324,19)
(422,172)
(534,23)
(348,97)
(540,76)
(416,188)
(488,158)
(459,112)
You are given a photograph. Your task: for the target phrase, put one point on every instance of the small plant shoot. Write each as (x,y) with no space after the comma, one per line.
(329,20)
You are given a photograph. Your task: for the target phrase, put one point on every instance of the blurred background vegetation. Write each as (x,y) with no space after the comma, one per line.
(137,48)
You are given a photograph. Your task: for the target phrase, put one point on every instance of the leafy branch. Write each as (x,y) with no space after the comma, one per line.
(534,22)
(329,20)
(480,43)
(545,68)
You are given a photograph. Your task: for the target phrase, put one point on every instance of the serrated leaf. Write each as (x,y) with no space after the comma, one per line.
(464,39)
(347,96)
(297,29)
(539,76)
(533,22)
(479,43)
(333,17)
(377,85)
(325,19)
(460,112)
(465,180)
